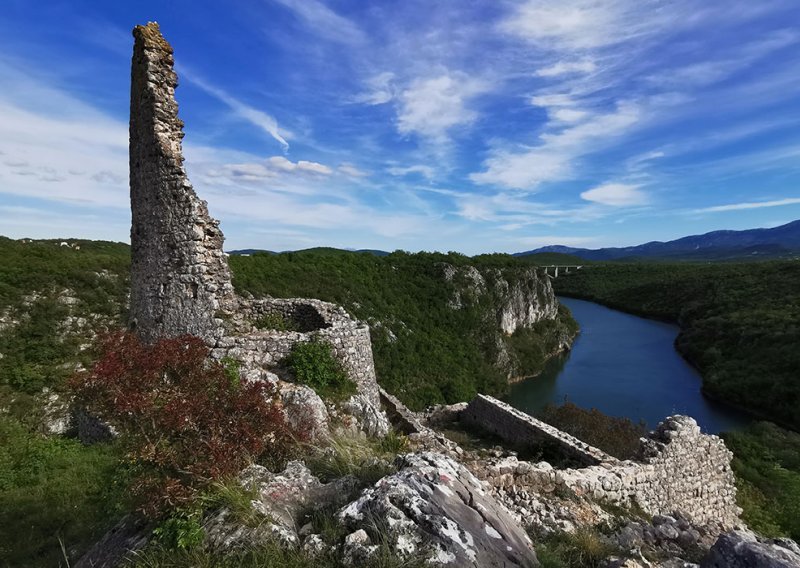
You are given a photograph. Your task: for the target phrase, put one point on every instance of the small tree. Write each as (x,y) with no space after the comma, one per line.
(185,420)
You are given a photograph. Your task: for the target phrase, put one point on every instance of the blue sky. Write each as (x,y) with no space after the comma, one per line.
(469,125)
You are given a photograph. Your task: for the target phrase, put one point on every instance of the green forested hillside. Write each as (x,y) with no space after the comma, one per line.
(425,351)
(740,323)
(54,491)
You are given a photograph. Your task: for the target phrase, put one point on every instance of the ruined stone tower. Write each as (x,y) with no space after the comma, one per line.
(179,275)
(180,279)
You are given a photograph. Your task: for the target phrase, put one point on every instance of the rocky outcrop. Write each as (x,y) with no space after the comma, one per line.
(510,300)
(742,549)
(281,502)
(179,275)
(434,509)
(521,297)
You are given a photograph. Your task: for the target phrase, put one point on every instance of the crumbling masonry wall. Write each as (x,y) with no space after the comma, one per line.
(526,432)
(680,468)
(180,279)
(349,339)
(179,276)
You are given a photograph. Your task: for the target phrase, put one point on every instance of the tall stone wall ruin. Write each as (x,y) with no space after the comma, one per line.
(180,278)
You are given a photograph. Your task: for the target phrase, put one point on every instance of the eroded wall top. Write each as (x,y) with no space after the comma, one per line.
(180,279)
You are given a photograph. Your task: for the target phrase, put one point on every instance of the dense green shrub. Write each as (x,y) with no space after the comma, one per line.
(183,420)
(314,364)
(767,466)
(275,322)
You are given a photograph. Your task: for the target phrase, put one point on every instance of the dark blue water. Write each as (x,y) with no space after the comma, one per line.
(625,366)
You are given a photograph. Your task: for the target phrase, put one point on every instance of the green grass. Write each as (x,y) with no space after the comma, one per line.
(348,454)
(267,555)
(54,491)
(585,548)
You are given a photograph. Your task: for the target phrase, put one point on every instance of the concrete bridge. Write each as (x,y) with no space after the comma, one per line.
(553,270)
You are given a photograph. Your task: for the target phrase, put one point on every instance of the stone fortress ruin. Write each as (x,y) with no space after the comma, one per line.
(180,279)
(181,283)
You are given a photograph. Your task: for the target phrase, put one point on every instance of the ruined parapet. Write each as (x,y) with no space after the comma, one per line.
(679,468)
(312,320)
(697,470)
(526,432)
(179,275)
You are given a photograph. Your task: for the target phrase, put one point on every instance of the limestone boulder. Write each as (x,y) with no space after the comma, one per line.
(434,509)
(370,416)
(743,549)
(304,410)
(281,502)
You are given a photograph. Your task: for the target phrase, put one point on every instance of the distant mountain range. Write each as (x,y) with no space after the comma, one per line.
(248,252)
(778,242)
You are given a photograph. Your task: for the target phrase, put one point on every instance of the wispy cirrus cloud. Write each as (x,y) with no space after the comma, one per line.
(324,22)
(254,116)
(554,158)
(749,205)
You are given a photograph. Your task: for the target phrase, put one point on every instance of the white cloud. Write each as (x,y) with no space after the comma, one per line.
(431,107)
(567,114)
(325,22)
(270,168)
(283,164)
(351,171)
(616,194)
(567,67)
(578,24)
(380,89)
(552,100)
(750,205)
(421,169)
(256,117)
(554,158)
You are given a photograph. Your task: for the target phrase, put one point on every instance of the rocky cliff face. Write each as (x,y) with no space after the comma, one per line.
(516,302)
(520,298)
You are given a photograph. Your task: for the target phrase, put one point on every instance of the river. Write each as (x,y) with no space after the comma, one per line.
(625,366)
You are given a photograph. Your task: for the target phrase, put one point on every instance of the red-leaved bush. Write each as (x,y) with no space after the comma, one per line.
(186,420)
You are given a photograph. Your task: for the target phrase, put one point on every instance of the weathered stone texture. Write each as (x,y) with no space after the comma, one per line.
(179,275)
(525,431)
(741,549)
(681,469)
(434,508)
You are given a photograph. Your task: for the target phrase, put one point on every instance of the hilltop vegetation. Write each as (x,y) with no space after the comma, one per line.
(426,352)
